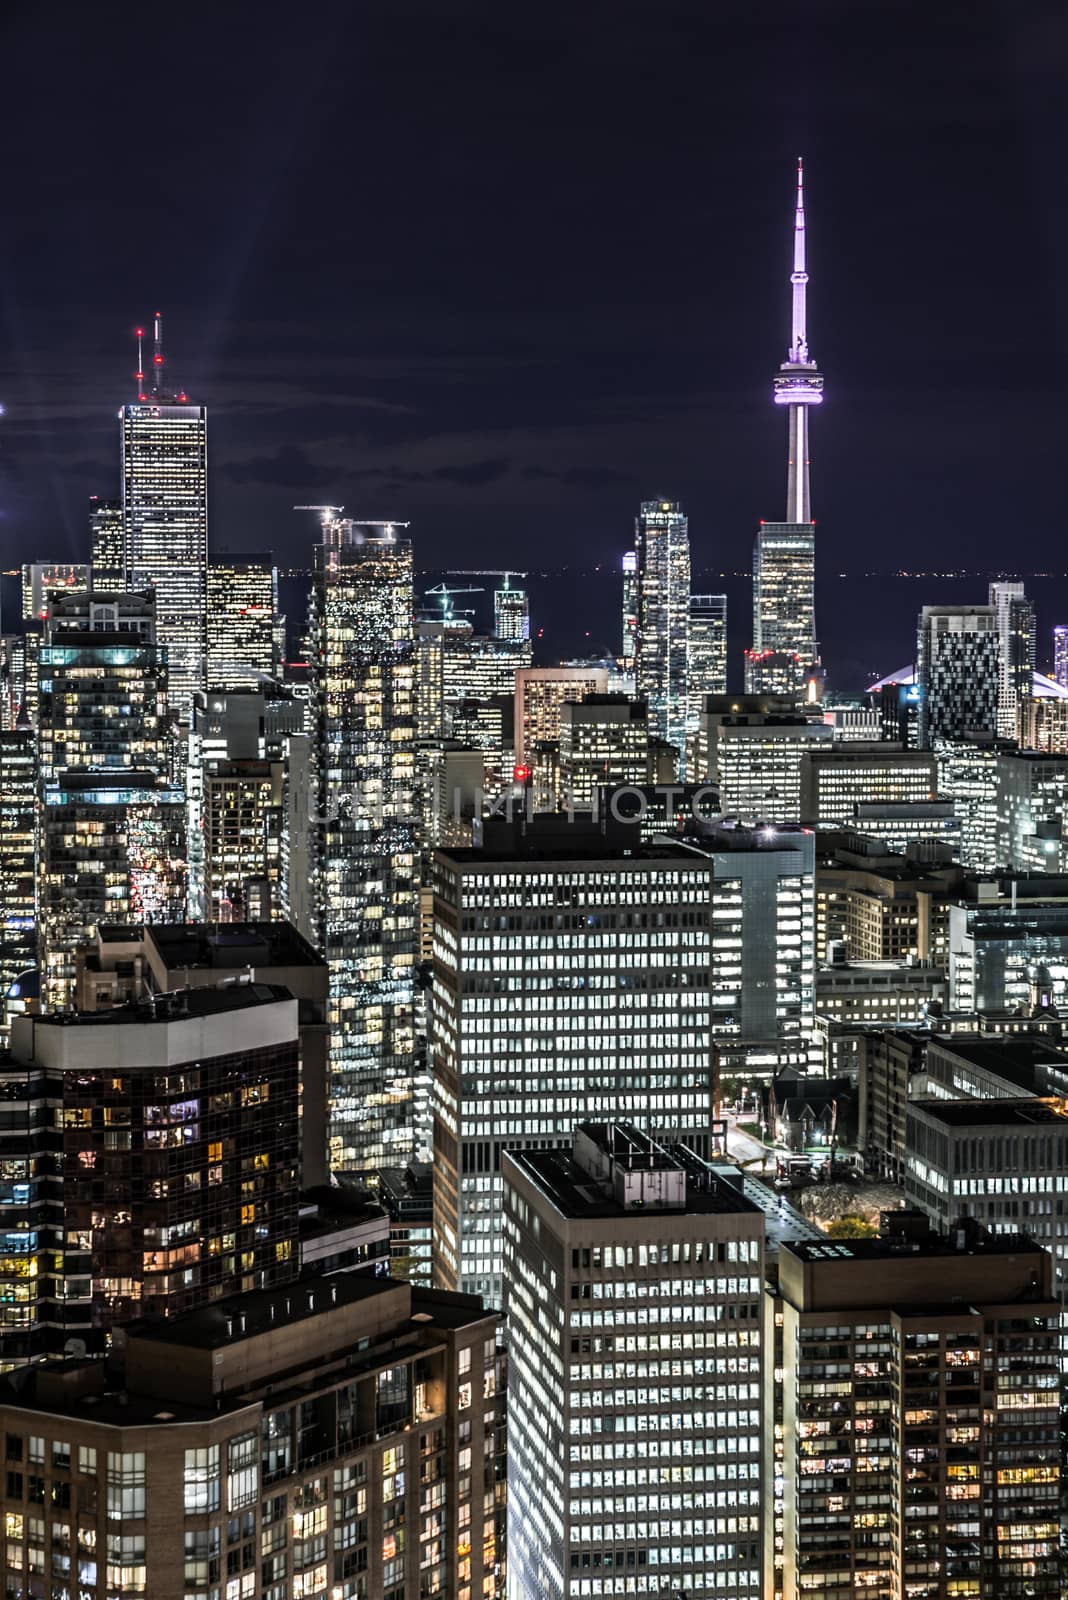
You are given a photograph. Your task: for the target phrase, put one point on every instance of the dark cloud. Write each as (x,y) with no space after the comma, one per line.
(582,477)
(289,467)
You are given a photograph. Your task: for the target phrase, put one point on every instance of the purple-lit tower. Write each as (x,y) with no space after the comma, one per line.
(784,658)
(798,382)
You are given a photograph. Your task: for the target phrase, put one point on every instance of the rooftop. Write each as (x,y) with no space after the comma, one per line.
(178,1006)
(220,944)
(1017,1058)
(932,1247)
(1025,1113)
(576,1193)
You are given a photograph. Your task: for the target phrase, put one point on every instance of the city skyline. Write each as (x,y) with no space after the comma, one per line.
(572,391)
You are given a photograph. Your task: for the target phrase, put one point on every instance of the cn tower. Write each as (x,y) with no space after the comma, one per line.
(784,658)
(798,382)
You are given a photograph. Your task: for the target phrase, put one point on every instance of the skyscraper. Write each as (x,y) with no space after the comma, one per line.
(367,897)
(165,517)
(242,601)
(626,1262)
(630,605)
(511,609)
(18,789)
(1060,654)
(784,555)
(1015,618)
(662,544)
(958,661)
(111,835)
(106,543)
(706,665)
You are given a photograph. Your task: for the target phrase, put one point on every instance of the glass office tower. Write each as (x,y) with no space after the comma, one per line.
(662,543)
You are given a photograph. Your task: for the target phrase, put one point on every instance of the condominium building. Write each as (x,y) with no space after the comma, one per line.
(662,543)
(633,1284)
(344,1439)
(1042,722)
(132,964)
(363,835)
(1015,616)
(920,1412)
(170,1146)
(18,911)
(958,670)
(111,824)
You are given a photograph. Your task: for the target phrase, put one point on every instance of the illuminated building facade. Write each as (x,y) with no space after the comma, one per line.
(366,848)
(836,778)
(920,1394)
(511,610)
(368,1472)
(1015,616)
(634,1284)
(958,667)
(543,1016)
(604,739)
(106,543)
(706,666)
(179,1152)
(630,605)
(662,545)
(784,653)
(1060,655)
(111,825)
(18,918)
(997,945)
(242,594)
(42,578)
(540,692)
(755,757)
(165,520)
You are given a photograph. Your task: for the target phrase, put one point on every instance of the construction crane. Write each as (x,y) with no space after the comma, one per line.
(485,572)
(442,592)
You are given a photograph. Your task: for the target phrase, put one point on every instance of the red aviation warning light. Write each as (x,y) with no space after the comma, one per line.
(522,774)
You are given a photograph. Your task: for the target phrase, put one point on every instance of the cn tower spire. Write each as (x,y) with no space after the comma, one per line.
(798,382)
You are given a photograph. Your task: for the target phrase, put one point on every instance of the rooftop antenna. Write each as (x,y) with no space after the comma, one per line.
(140,373)
(157,349)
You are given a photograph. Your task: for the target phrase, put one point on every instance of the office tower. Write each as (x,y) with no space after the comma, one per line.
(754,751)
(634,1278)
(706,665)
(511,609)
(883,906)
(1060,655)
(604,740)
(958,672)
(18,919)
(42,578)
(165,517)
(242,599)
(106,543)
(111,834)
(191,1469)
(662,545)
(784,643)
(539,694)
(1002,1161)
(998,941)
(130,964)
(1015,619)
(1032,793)
(967,775)
(630,605)
(367,896)
(920,1415)
(582,1016)
(784,651)
(178,1160)
(905,825)
(836,778)
(663,950)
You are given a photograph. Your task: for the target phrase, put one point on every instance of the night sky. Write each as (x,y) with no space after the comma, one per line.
(506,269)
